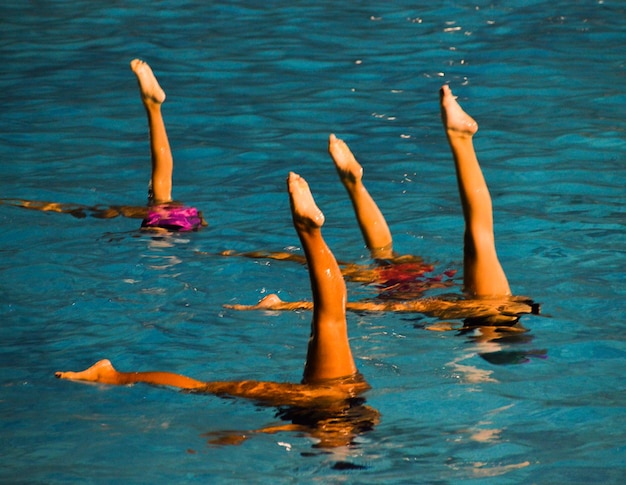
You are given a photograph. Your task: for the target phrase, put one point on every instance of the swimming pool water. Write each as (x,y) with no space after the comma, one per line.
(254,89)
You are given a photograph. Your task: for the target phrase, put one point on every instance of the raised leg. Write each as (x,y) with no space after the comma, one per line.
(329,355)
(483,274)
(152,97)
(373,225)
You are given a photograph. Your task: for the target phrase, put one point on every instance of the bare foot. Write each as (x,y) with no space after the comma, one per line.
(349,170)
(102,371)
(305,212)
(455,120)
(149,86)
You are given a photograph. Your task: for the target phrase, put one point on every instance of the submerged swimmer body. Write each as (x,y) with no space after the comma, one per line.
(330,382)
(161,214)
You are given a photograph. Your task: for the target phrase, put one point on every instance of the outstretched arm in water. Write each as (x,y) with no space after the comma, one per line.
(80,211)
(496,310)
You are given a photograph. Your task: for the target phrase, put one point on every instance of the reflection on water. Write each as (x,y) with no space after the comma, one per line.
(496,344)
(336,426)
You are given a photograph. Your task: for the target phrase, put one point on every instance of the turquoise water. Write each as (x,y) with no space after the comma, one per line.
(253,89)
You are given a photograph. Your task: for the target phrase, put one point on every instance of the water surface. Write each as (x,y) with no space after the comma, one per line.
(254,89)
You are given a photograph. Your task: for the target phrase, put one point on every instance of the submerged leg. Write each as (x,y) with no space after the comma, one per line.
(373,225)
(329,355)
(152,97)
(483,274)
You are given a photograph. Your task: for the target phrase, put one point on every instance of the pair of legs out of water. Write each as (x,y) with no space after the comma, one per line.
(330,373)
(483,274)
